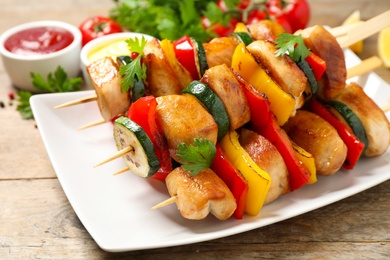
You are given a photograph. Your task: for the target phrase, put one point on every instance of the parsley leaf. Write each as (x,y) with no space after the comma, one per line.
(292,45)
(24,104)
(136,69)
(56,82)
(163,19)
(196,158)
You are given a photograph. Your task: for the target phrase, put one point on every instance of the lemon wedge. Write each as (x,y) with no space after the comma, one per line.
(384,46)
(354,18)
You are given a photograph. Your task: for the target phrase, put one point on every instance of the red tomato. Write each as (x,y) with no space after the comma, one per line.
(97,26)
(256,15)
(297,12)
(242,5)
(218,29)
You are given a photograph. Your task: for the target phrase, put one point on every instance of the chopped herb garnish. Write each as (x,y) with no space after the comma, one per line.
(292,45)
(198,157)
(136,69)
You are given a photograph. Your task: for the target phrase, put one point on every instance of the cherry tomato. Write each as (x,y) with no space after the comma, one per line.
(97,26)
(256,15)
(218,29)
(243,4)
(297,12)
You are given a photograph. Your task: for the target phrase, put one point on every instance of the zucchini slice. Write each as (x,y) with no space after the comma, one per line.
(213,103)
(142,160)
(305,67)
(243,37)
(138,90)
(353,121)
(200,56)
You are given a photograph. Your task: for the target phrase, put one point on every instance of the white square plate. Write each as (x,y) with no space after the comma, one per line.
(116,209)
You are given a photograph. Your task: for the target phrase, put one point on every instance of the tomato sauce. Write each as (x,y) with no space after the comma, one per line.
(38,41)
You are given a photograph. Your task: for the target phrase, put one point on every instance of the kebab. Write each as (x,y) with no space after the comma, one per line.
(163,97)
(217,51)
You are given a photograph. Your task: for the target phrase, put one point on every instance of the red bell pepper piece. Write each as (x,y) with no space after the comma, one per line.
(143,112)
(354,145)
(264,123)
(317,64)
(232,178)
(185,54)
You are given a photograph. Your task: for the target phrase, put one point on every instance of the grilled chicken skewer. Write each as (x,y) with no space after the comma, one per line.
(262,30)
(338,91)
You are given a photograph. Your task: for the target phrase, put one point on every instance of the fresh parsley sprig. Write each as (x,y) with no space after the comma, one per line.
(292,45)
(171,19)
(24,107)
(136,69)
(56,82)
(198,157)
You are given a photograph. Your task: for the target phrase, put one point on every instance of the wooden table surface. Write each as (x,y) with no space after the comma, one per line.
(37,221)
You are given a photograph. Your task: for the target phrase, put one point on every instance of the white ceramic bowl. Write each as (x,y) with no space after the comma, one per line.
(101,47)
(18,66)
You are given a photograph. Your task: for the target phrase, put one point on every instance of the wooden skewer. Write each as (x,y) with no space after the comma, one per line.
(386,107)
(78,101)
(125,169)
(98,122)
(365,29)
(165,202)
(115,156)
(365,66)
(343,29)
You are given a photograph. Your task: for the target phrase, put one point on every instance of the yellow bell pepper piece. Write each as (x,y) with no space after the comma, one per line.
(241,27)
(308,160)
(258,180)
(282,104)
(169,51)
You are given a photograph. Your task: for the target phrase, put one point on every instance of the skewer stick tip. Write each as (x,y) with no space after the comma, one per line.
(120,153)
(125,169)
(98,122)
(165,202)
(78,101)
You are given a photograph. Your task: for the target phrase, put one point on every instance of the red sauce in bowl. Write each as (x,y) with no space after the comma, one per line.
(38,41)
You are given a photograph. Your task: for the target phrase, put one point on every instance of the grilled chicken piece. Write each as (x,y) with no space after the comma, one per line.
(183,118)
(325,45)
(282,69)
(318,137)
(104,74)
(268,158)
(266,30)
(223,82)
(200,195)
(373,118)
(162,79)
(220,51)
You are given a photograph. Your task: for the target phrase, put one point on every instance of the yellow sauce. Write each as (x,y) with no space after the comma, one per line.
(114,48)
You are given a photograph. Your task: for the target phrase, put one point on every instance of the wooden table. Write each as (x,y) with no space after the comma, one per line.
(37,221)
